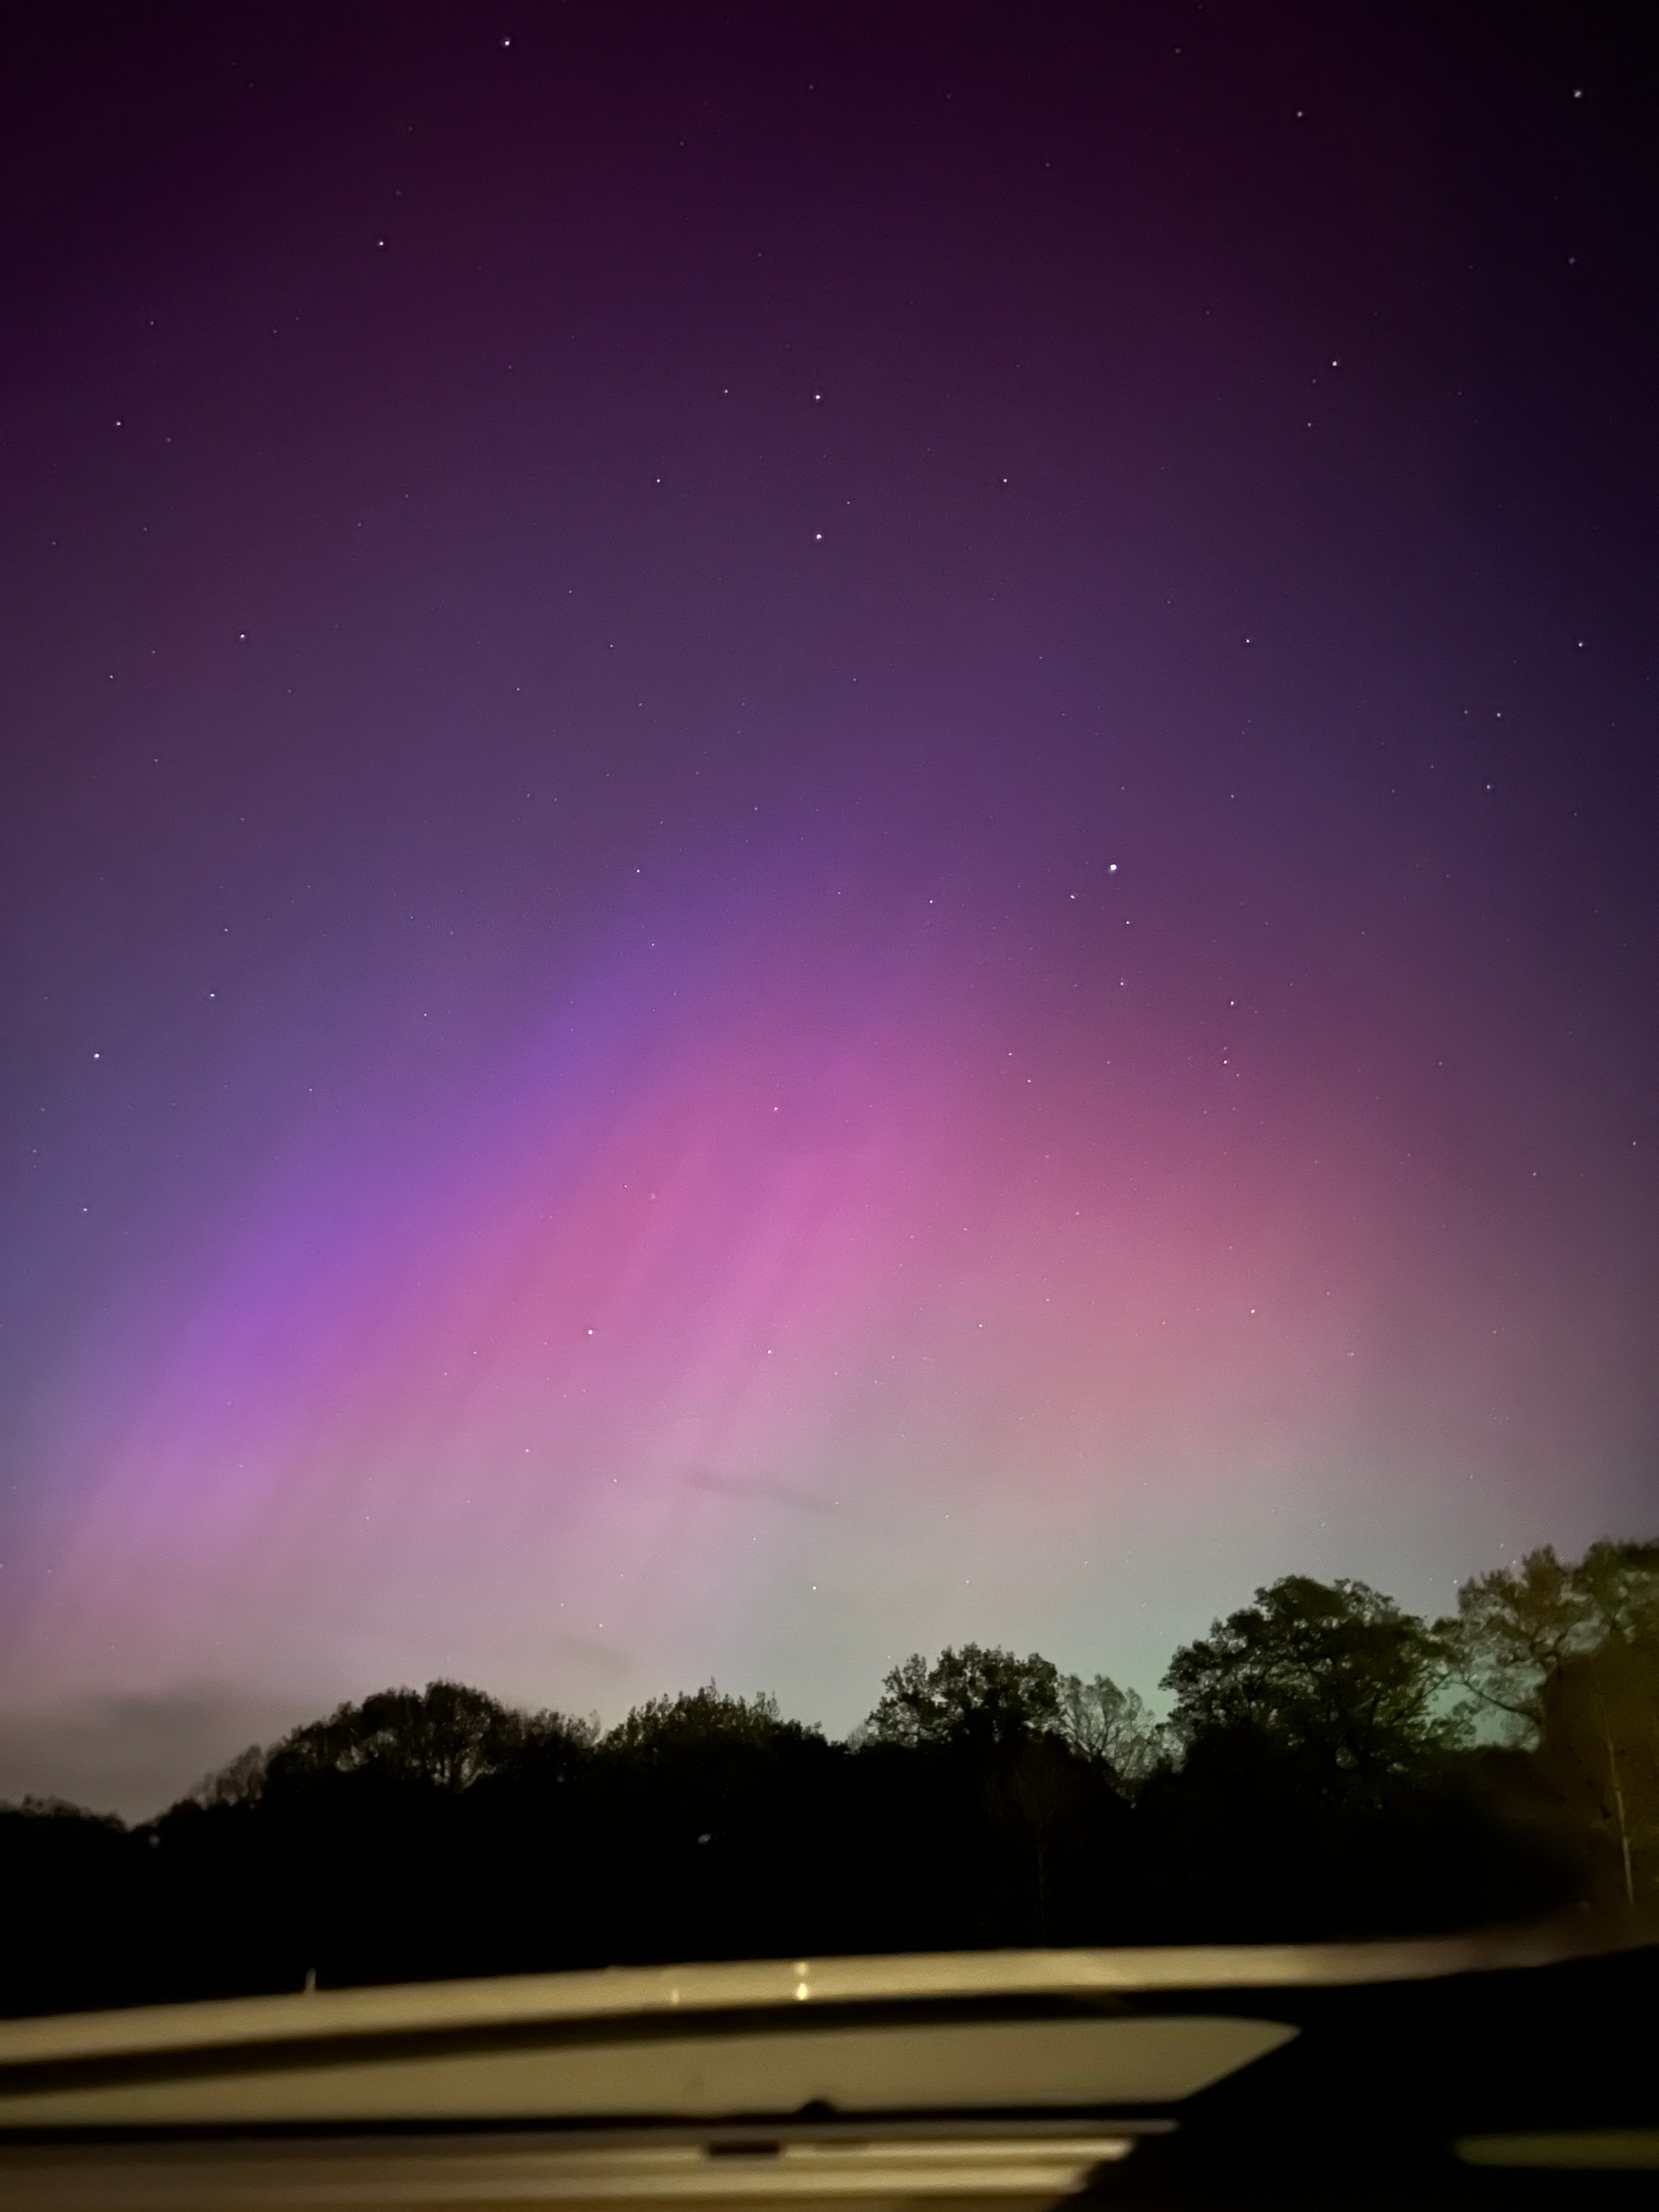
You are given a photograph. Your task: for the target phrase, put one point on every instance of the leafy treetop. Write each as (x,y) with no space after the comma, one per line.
(1335,1670)
(976,1696)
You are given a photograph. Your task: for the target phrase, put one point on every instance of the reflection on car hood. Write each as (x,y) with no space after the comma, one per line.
(1013,2076)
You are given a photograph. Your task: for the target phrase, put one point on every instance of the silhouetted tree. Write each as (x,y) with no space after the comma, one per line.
(1024,1819)
(1561,1659)
(1334,1673)
(445,1734)
(1516,1626)
(1113,1727)
(1312,1781)
(717,1821)
(974,1696)
(697,1720)
(239,1781)
(77,1930)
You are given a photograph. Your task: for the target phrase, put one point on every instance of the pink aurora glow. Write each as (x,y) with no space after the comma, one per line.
(788,1299)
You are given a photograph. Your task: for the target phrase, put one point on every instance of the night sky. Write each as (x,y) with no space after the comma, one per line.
(822,830)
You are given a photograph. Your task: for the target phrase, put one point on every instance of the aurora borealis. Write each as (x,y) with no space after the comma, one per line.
(819,836)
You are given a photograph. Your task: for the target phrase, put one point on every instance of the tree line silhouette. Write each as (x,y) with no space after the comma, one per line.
(1330,1765)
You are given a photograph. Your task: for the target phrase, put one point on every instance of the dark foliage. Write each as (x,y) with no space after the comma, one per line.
(80,1890)
(1318,1777)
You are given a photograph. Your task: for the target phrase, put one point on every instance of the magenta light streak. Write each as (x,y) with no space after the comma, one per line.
(779,1269)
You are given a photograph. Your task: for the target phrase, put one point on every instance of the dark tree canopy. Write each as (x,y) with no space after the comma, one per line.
(445,1734)
(1112,1728)
(701,1719)
(975,1695)
(1317,1777)
(1513,1627)
(1620,1587)
(1336,1671)
(1564,1660)
(1516,1626)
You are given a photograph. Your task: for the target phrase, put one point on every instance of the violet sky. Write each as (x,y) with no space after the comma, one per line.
(822,830)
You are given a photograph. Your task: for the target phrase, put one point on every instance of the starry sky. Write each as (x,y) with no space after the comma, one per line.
(823,830)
